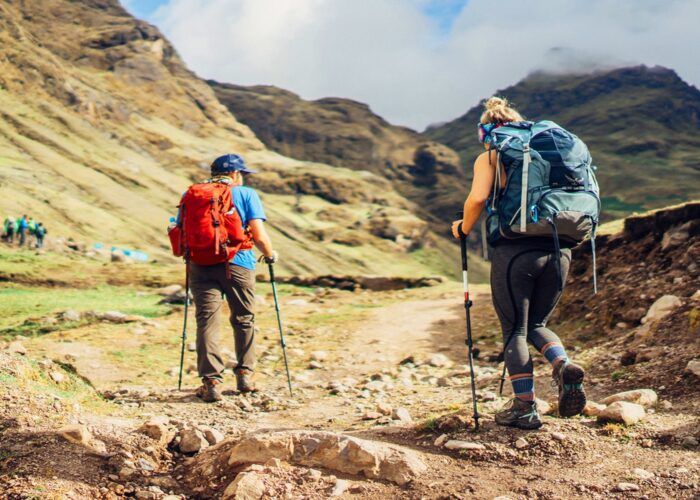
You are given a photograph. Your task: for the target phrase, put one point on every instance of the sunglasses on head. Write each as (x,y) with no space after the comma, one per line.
(484,131)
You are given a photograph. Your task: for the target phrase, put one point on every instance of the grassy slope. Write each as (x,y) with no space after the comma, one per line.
(346,133)
(102,128)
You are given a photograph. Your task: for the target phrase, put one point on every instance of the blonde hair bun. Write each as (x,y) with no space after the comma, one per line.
(499,110)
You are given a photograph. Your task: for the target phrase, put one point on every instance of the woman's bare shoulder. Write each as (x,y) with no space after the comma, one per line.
(483,159)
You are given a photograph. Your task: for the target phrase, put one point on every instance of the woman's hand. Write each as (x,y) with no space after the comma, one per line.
(455,228)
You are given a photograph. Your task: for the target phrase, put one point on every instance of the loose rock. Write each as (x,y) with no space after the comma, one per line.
(644,397)
(384,408)
(402,415)
(627,487)
(521,443)
(662,307)
(455,444)
(544,407)
(622,412)
(77,434)
(593,409)
(440,440)
(340,486)
(558,436)
(439,361)
(246,486)
(157,431)
(693,367)
(642,474)
(212,436)
(192,441)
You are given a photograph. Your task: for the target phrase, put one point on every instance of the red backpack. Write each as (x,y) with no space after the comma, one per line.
(210,230)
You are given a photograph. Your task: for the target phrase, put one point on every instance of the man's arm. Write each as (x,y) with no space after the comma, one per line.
(260,237)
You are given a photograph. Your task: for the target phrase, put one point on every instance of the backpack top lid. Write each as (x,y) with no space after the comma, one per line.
(520,133)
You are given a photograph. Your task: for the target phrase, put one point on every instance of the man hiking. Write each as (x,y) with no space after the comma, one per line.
(9,228)
(40,234)
(22,227)
(549,205)
(234,279)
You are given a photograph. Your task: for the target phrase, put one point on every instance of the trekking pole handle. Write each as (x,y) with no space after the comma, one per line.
(465,265)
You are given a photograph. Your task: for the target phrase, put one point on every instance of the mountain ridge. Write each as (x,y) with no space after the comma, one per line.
(102,127)
(630,117)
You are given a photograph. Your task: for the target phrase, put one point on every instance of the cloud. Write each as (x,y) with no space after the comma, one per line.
(396,56)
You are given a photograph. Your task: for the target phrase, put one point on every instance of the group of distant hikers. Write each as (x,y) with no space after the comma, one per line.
(24,230)
(536,182)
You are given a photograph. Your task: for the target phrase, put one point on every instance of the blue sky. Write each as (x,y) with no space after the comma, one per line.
(143,8)
(442,12)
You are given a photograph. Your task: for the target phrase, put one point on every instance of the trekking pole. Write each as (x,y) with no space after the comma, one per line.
(467,307)
(184,322)
(503,356)
(279,325)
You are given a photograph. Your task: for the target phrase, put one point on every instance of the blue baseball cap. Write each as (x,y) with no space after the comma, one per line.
(230,163)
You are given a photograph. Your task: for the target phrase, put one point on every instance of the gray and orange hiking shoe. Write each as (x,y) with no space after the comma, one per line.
(208,392)
(520,414)
(244,380)
(569,379)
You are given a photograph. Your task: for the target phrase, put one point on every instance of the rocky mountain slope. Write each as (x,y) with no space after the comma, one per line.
(646,315)
(349,134)
(102,127)
(641,123)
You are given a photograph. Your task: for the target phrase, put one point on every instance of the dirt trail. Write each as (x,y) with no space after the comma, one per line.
(572,458)
(398,331)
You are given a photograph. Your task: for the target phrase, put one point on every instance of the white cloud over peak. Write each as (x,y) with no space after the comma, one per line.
(392,55)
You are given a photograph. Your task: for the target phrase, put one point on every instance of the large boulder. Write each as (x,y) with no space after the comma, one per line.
(663,306)
(622,412)
(644,397)
(344,454)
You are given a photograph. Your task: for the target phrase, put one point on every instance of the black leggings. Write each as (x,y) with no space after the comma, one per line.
(525,286)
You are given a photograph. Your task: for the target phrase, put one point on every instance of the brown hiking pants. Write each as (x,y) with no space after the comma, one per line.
(209,287)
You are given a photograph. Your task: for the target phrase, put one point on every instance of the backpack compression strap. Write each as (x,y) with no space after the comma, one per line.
(523,189)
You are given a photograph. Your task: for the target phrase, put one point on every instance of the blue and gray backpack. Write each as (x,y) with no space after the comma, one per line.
(551,189)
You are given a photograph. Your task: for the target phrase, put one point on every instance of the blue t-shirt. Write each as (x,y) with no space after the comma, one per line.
(249,207)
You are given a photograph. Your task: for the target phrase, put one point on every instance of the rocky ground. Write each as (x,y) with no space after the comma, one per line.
(382,410)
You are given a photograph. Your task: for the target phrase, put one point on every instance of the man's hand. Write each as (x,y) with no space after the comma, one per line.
(269,259)
(457,229)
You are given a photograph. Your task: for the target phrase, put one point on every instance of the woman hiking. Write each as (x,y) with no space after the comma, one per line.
(527,279)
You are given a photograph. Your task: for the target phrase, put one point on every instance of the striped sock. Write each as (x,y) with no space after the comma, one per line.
(523,386)
(554,352)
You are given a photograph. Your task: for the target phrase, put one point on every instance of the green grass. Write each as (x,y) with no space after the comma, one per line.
(28,376)
(18,303)
(614,204)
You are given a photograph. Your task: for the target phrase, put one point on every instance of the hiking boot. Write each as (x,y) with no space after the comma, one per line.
(569,379)
(208,392)
(520,414)
(244,380)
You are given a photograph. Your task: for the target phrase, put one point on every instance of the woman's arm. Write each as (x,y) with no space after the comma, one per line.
(476,201)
